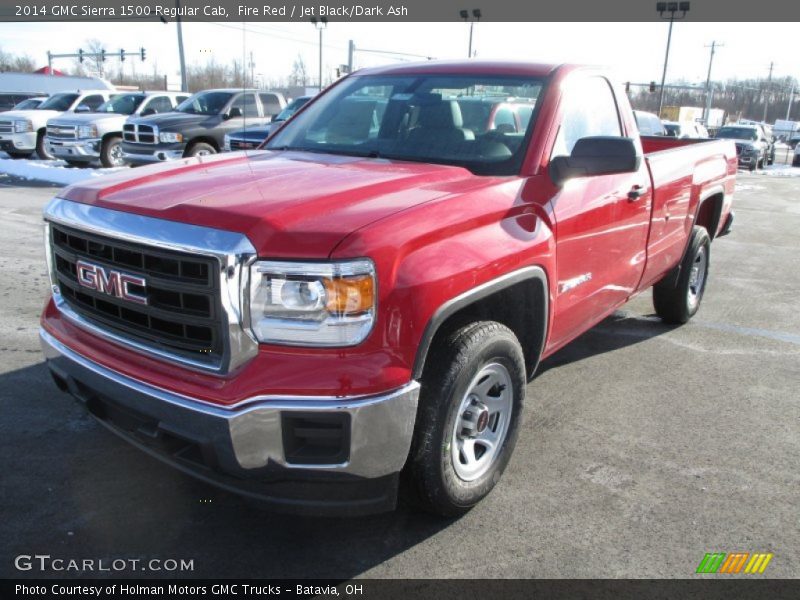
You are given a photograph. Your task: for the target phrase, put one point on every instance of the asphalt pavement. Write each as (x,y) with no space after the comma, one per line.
(643,446)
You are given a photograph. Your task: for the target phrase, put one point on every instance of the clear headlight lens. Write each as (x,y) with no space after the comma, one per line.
(312,304)
(23,126)
(168,137)
(87,131)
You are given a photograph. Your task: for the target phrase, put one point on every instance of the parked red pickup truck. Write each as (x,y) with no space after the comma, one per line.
(369,294)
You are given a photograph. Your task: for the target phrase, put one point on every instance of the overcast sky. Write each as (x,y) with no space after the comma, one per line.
(635,51)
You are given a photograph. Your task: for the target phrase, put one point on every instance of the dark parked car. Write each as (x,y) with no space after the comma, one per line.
(753,148)
(247,139)
(198,125)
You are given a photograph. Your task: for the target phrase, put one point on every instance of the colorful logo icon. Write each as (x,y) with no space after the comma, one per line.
(735,562)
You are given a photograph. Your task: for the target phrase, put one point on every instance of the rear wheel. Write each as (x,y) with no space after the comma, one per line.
(111,152)
(468,419)
(676,300)
(41,148)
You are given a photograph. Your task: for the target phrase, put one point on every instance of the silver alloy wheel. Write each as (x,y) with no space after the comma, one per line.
(115,154)
(697,277)
(482,422)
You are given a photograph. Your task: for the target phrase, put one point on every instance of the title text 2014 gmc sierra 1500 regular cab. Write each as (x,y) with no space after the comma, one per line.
(369,294)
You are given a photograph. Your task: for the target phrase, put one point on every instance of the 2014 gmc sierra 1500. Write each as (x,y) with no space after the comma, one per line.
(368,295)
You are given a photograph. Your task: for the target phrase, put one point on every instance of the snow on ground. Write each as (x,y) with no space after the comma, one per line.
(52,171)
(780,171)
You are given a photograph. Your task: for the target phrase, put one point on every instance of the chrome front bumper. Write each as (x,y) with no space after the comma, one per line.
(248,437)
(23,142)
(84,149)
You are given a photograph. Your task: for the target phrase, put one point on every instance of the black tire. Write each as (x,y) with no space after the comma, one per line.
(796,161)
(677,297)
(199,149)
(111,152)
(41,149)
(452,367)
(752,167)
(18,155)
(77,164)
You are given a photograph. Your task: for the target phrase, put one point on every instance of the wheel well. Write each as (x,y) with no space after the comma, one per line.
(112,134)
(709,213)
(522,307)
(203,140)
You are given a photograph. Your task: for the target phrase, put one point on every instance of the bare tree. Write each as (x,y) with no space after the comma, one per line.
(299,74)
(19,64)
(96,63)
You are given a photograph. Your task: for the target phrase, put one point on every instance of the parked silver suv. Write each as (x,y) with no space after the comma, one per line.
(81,139)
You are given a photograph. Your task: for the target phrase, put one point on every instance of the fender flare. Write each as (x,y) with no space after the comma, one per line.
(476,294)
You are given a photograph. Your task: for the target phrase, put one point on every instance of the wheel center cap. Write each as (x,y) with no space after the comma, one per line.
(483,420)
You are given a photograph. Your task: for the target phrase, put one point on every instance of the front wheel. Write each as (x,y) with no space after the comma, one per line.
(200,149)
(111,152)
(469,414)
(41,148)
(677,300)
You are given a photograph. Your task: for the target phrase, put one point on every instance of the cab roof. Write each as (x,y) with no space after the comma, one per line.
(466,67)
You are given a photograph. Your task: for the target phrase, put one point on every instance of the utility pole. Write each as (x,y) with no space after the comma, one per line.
(252,70)
(791,97)
(766,95)
(707,110)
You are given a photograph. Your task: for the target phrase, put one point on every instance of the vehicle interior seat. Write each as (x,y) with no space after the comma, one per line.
(351,123)
(439,124)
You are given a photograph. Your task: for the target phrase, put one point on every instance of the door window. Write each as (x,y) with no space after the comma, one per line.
(159,104)
(91,102)
(589,110)
(247,104)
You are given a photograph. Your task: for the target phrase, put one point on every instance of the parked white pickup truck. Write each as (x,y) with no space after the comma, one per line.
(22,132)
(81,139)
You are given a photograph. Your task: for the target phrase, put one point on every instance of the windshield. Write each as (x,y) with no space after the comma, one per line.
(737,133)
(205,103)
(60,102)
(28,104)
(418,118)
(125,104)
(291,108)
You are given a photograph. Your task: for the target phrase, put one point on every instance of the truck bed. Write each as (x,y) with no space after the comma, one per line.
(684,172)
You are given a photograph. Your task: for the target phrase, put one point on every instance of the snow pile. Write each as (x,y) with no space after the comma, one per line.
(52,171)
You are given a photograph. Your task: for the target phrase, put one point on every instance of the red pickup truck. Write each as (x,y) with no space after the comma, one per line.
(362,302)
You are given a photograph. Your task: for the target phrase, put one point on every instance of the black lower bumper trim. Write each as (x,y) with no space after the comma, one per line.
(309,492)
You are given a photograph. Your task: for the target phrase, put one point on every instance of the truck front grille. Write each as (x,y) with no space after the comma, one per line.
(139,134)
(6,127)
(61,132)
(183,315)
(243,144)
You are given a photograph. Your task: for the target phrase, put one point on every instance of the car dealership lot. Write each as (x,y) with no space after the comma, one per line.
(643,446)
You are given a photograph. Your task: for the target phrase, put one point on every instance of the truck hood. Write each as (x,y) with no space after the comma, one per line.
(289,204)
(36,116)
(89,118)
(171,119)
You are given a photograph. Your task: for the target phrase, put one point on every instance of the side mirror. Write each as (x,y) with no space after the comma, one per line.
(596,156)
(148,111)
(234,112)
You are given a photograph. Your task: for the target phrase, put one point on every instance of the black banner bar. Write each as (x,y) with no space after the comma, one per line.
(382,10)
(731,588)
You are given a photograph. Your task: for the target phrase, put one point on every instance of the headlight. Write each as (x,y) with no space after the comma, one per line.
(87,131)
(226,142)
(23,126)
(167,137)
(312,304)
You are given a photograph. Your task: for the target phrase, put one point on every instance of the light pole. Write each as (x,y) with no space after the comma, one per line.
(671,8)
(707,110)
(320,24)
(476,16)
